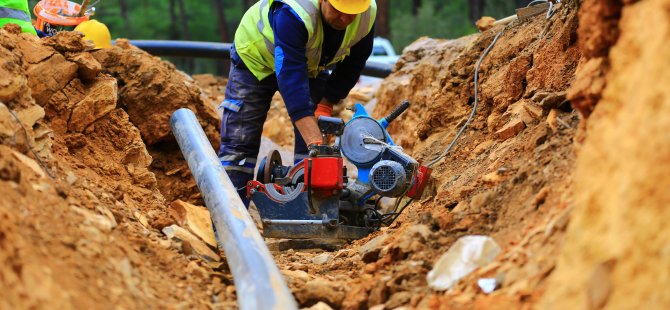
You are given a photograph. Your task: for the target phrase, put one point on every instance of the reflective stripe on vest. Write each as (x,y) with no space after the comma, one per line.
(254,39)
(13,13)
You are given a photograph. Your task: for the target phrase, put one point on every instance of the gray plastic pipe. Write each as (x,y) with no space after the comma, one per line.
(222,51)
(257,279)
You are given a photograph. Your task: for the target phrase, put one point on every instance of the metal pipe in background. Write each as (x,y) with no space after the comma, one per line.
(258,282)
(222,51)
(184,48)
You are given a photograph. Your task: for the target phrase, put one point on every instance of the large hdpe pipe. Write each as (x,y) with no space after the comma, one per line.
(222,50)
(258,282)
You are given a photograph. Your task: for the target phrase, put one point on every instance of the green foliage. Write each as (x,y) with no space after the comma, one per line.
(435,18)
(499,9)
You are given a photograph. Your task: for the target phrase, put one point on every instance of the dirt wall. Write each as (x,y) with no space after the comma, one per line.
(617,244)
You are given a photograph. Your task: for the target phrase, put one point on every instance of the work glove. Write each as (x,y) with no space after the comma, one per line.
(323,110)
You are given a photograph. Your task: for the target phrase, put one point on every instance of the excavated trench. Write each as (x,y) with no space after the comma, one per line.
(564,165)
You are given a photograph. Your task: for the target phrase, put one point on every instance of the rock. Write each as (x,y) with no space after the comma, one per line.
(195,269)
(541,196)
(142,219)
(413,240)
(549,100)
(482,147)
(106,212)
(538,137)
(136,154)
(398,299)
(89,67)
(100,100)
(196,219)
(142,176)
(152,89)
(41,79)
(560,222)
(443,219)
(68,41)
(369,252)
(599,285)
(71,178)
(589,83)
(9,170)
(31,115)
(511,129)
(530,109)
(198,246)
(422,231)
(30,163)
(34,51)
(379,293)
(485,23)
(321,290)
(464,256)
(320,306)
(322,258)
(552,120)
(8,125)
(293,276)
(492,178)
(480,201)
(461,207)
(98,221)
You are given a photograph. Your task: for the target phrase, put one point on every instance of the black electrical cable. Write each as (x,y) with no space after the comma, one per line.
(474,107)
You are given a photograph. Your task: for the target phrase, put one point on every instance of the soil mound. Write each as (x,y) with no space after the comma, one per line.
(97,205)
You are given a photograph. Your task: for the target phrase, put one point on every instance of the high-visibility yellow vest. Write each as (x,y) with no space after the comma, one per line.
(254,39)
(16,12)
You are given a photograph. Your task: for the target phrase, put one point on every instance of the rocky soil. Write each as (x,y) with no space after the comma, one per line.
(564,166)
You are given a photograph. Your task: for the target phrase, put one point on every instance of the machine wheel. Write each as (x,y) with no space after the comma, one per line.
(271,166)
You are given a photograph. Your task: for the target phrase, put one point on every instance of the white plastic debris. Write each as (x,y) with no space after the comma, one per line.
(488,285)
(465,255)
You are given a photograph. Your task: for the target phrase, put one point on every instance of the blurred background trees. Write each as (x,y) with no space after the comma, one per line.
(401,21)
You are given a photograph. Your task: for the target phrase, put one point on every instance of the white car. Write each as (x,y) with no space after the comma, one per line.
(383,52)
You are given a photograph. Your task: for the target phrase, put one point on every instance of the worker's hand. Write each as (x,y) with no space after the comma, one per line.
(323,109)
(309,130)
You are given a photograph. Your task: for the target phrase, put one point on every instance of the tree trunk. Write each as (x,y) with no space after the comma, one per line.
(382,27)
(173,31)
(221,25)
(222,66)
(415,7)
(189,64)
(183,18)
(123,5)
(476,9)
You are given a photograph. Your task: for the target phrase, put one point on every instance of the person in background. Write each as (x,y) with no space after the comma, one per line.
(290,46)
(16,12)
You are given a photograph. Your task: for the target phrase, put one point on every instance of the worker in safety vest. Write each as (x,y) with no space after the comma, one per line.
(16,12)
(290,45)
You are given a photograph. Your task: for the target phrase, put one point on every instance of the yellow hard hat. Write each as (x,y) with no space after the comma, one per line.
(350,6)
(97,32)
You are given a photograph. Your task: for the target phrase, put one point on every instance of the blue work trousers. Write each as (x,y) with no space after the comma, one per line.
(245,108)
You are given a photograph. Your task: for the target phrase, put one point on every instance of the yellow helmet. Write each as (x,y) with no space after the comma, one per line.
(350,6)
(97,32)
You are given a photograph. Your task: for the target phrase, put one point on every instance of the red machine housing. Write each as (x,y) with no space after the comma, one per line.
(421,178)
(324,174)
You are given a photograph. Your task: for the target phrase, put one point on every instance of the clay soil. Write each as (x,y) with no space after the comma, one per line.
(564,165)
